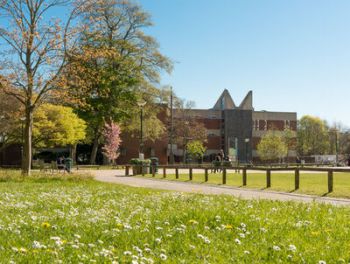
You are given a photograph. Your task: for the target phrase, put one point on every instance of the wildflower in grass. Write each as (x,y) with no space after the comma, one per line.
(192,247)
(23,250)
(148,250)
(127,253)
(237,241)
(292,248)
(45,225)
(163,256)
(159,228)
(158,240)
(263,230)
(228,226)
(242,235)
(206,241)
(193,222)
(246,252)
(37,244)
(322,262)
(14,249)
(276,248)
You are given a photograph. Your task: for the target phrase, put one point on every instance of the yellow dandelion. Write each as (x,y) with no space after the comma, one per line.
(193,222)
(45,225)
(228,226)
(119,225)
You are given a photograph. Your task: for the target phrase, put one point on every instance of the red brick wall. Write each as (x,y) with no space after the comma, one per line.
(211,123)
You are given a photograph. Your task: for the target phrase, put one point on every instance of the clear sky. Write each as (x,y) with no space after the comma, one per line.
(294,55)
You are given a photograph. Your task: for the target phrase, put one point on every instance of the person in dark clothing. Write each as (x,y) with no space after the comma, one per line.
(60,163)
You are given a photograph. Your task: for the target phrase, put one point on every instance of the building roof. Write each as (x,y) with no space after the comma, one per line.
(226,102)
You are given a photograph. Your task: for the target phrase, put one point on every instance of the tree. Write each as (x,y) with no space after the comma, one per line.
(111,135)
(56,125)
(289,138)
(313,137)
(34,57)
(11,113)
(196,149)
(115,62)
(272,147)
(186,127)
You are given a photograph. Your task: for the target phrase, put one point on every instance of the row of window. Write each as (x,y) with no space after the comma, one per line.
(263,125)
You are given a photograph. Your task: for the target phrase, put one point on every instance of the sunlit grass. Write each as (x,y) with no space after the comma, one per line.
(83,221)
(310,183)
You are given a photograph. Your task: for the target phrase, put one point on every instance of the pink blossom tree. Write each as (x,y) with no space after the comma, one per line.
(111,134)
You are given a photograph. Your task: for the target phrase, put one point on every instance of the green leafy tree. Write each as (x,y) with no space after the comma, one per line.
(56,125)
(196,149)
(115,61)
(313,136)
(272,147)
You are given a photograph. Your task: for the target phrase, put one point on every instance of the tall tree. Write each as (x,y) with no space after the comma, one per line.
(186,127)
(313,137)
(115,60)
(34,56)
(272,147)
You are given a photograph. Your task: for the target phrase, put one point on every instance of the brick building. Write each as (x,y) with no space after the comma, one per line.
(236,129)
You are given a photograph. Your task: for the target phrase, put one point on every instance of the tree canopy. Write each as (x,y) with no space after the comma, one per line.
(56,125)
(272,147)
(313,136)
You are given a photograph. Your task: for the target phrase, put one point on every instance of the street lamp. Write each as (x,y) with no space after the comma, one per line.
(246,149)
(141,104)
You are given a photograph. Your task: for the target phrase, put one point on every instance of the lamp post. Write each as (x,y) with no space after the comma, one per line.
(141,104)
(171,154)
(246,149)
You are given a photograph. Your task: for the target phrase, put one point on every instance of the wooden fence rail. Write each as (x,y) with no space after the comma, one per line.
(224,171)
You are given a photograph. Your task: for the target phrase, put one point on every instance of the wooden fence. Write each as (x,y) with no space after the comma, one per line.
(330,172)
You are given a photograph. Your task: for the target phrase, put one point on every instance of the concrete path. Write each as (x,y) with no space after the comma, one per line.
(118,176)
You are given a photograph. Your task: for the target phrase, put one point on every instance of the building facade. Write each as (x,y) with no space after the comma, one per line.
(235,129)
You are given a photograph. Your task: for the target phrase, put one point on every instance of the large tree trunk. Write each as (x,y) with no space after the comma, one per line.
(94,149)
(27,148)
(73,153)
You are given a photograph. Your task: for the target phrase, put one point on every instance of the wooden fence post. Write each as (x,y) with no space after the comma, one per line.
(244,177)
(164,172)
(126,170)
(191,174)
(206,175)
(297,179)
(330,181)
(153,170)
(177,173)
(268,178)
(224,176)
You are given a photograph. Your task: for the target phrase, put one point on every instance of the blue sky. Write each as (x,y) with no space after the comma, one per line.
(294,55)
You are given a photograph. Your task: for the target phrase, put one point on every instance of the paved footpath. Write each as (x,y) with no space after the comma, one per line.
(118,176)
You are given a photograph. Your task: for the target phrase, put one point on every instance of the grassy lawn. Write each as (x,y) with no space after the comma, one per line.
(64,219)
(310,183)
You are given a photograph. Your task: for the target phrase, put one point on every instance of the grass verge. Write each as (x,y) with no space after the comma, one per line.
(310,183)
(84,221)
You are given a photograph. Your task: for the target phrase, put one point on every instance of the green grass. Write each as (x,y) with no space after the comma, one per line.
(78,220)
(310,183)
